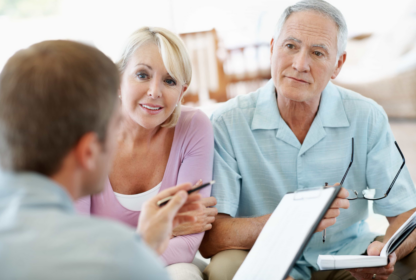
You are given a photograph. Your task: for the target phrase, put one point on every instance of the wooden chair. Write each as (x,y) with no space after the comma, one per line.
(208,78)
(220,74)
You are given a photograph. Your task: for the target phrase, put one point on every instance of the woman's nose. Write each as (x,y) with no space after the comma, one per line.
(154,90)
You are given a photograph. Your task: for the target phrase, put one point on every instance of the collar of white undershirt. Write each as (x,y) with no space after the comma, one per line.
(134,202)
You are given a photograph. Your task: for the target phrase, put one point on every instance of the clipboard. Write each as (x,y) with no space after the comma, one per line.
(286,234)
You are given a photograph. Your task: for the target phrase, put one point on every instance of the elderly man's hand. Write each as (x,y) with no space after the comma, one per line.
(330,217)
(204,218)
(156,223)
(381,273)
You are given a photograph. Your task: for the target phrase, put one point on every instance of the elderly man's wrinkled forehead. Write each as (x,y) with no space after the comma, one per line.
(311,28)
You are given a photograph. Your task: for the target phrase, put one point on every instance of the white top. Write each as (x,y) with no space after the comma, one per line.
(134,202)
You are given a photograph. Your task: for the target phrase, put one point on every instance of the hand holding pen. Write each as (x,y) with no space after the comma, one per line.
(330,216)
(156,223)
(340,202)
(195,188)
(324,232)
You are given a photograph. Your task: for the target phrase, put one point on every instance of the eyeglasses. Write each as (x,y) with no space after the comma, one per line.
(368,193)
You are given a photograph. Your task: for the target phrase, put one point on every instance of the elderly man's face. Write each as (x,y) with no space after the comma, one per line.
(304,57)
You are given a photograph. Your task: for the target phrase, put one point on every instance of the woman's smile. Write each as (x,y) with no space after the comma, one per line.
(150,108)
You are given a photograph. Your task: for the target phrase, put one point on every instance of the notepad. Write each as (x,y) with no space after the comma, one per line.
(286,234)
(327,262)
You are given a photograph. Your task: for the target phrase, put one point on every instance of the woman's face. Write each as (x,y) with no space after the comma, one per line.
(148,93)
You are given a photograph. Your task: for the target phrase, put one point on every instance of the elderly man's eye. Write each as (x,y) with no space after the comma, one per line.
(318,53)
(290,46)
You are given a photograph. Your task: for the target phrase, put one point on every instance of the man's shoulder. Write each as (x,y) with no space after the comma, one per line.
(354,101)
(241,104)
(82,233)
(124,249)
(106,249)
(102,231)
(92,224)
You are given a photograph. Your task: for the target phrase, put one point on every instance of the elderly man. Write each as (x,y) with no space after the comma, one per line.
(58,117)
(295,133)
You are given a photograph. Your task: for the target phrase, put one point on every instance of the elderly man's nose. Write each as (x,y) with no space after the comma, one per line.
(154,90)
(301,62)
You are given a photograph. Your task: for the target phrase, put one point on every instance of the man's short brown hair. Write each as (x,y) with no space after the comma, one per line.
(51,94)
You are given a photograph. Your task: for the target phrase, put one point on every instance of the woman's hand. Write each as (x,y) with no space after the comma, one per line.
(204,219)
(156,223)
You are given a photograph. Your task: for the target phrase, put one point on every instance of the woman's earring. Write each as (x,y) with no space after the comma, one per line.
(119,96)
(176,105)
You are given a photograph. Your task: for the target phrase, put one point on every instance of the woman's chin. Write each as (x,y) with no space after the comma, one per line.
(150,123)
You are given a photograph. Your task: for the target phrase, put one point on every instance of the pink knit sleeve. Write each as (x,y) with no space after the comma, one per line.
(196,164)
(83,205)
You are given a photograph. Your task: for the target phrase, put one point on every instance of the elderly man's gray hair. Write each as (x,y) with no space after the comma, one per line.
(323,8)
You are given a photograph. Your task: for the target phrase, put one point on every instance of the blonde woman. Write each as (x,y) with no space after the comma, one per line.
(160,143)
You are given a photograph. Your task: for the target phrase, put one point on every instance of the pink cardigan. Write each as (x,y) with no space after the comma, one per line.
(190,159)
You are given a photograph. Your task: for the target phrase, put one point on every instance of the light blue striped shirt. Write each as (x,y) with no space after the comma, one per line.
(42,238)
(258,159)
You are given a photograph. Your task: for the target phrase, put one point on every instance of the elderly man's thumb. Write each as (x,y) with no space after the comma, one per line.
(374,249)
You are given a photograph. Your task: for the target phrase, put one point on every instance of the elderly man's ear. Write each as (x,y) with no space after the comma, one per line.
(271,48)
(339,65)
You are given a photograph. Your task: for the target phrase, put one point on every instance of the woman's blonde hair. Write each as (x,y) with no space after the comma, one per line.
(174,55)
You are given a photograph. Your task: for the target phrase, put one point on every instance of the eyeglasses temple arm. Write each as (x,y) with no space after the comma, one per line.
(352,160)
(401,167)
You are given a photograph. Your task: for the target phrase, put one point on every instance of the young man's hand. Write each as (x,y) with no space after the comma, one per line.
(156,223)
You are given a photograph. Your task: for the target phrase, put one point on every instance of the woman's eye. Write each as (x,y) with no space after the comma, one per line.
(170,82)
(141,75)
(318,53)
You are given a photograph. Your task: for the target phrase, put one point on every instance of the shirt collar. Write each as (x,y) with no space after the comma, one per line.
(267,115)
(34,190)
(331,108)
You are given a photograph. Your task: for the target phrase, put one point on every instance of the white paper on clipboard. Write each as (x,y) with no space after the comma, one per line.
(286,234)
